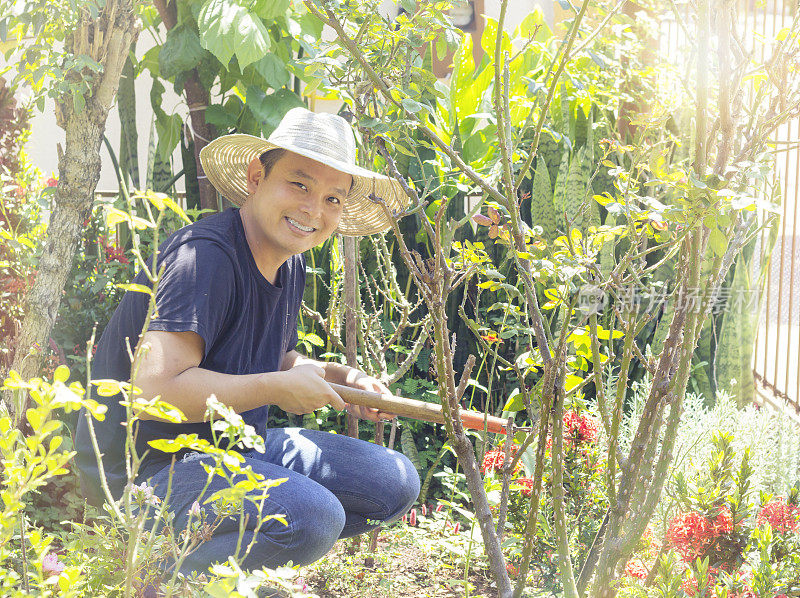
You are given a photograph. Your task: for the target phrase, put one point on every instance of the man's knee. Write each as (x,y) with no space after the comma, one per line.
(406,488)
(314,524)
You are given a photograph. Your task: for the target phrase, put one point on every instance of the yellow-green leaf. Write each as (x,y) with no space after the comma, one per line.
(136,288)
(108,388)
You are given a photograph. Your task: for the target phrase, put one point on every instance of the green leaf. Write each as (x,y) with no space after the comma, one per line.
(571,381)
(220,117)
(182,51)
(718,241)
(228,29)
(463,67)
(514,402)
(441,47)
(108,388)
(268,110)
(182,441)
(270,9)
(168,128)
(314,339)
(61,374)
(35,418)
(489,40)
(115,216)
(273,70)
(158,408)
(412,105)
(543,211)
(534,23)
(162,202)
(136,288)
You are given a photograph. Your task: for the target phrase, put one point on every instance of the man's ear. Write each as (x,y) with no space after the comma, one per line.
(255,172)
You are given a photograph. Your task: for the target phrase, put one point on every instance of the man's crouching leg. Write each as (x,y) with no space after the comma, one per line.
(314,518)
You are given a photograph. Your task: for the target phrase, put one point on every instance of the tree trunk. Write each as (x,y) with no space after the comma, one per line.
(106,40)
(197,97)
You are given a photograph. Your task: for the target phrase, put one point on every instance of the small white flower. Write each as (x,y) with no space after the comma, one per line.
(194,510)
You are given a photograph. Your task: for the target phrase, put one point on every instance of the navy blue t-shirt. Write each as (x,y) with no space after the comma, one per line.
(212,286)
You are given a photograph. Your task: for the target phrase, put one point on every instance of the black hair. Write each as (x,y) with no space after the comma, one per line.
(269,158)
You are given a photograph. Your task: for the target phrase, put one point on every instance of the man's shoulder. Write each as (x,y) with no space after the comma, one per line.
(221,226)
(214,235)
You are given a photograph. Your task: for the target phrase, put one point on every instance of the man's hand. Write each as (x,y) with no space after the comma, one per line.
(304,390)
(363,382)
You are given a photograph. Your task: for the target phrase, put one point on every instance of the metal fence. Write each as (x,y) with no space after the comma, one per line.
(776,351)
(776,357)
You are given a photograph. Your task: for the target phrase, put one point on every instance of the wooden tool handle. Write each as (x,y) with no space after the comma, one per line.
(429,412)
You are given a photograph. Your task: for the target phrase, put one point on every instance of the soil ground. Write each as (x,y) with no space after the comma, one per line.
(421,562)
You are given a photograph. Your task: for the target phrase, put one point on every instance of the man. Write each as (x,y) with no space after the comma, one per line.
(226,324)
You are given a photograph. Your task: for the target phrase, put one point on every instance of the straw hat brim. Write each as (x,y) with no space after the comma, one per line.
(225,162)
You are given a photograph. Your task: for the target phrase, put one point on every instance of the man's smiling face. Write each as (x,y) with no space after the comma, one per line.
(297,206)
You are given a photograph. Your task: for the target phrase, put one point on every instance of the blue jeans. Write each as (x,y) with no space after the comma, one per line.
(337,487)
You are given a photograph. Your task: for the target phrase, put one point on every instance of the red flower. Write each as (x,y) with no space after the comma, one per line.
(782,516)
(52,182)
(723,524)
(512,570)
(116,254)
(635,568)
(412,518)
(689,534)
(526,485)
(580,427)
(493,460)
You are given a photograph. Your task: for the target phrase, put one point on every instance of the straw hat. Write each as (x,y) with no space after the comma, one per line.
(326,138)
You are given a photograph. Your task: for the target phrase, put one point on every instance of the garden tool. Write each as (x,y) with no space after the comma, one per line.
(429,412)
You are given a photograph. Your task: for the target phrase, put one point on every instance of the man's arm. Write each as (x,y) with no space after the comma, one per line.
(170,368)
(345,375)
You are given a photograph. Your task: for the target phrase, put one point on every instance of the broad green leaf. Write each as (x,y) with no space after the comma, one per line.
(228,29)
(182,51)
(463,67)
(162,202)
(514,402)
(115,216)
(269,109)
(220,117)
(273,70)
(533,23)
(270,9)
(571,381)
(489,40)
